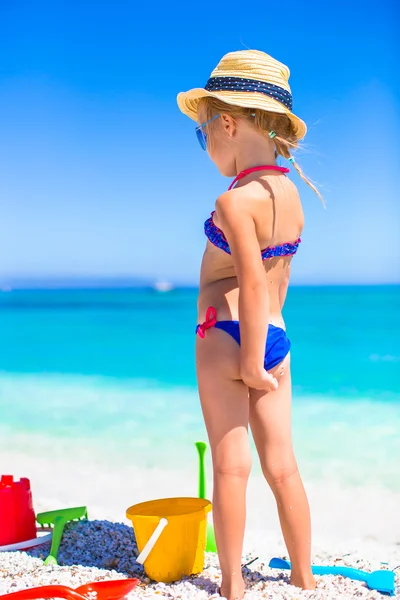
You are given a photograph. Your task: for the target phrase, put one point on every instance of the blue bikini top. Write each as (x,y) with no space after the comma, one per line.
(217,238)
(216,235)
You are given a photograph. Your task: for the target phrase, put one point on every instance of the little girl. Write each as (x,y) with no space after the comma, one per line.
(245,120)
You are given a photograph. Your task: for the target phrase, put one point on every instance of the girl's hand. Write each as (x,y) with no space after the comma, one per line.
(259,379)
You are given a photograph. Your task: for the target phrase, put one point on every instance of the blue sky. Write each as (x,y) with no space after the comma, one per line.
(101,175)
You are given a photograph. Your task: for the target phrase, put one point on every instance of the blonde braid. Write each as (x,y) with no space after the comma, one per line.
(282,149)
(307,181)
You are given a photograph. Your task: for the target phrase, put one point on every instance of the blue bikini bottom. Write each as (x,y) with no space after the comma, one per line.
(277,346)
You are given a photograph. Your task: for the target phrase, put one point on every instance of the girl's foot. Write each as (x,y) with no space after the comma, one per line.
(234,593)
(305,583)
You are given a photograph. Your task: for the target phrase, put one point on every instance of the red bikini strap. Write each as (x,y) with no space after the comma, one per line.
(211,319)
(261,168)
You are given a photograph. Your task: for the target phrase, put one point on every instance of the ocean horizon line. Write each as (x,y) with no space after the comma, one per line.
(126,283)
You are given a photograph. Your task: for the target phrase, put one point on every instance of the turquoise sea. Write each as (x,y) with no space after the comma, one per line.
(111,372)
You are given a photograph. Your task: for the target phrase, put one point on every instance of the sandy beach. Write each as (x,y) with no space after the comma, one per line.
(357,527)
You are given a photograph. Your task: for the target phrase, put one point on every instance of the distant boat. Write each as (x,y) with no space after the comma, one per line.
(163,286)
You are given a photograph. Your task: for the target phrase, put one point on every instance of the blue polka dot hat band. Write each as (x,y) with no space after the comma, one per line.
(249,79)
(241,84)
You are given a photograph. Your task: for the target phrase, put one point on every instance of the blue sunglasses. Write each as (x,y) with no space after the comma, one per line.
(201,135)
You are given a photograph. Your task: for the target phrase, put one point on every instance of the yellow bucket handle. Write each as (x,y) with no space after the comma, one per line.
(152,541)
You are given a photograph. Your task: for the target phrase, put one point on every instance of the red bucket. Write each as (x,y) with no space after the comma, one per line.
(17,517)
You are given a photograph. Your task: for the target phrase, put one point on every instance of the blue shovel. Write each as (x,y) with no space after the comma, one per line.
(382,581)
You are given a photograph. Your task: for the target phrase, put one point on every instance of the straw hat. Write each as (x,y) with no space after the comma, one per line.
(248,78)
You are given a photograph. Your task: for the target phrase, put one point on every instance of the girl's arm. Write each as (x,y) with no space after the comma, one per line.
(240,231)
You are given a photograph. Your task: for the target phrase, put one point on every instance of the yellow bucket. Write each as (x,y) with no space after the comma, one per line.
(180,548)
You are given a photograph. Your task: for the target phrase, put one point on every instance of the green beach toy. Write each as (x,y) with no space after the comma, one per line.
(59,518)
(382,581)
(211,545)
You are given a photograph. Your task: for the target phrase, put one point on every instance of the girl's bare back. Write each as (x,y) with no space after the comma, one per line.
(274,203)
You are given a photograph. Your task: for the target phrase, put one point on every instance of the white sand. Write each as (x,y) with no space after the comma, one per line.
(107,551)
(360,526)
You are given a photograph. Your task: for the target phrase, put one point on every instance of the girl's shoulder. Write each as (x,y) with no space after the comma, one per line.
(245,198)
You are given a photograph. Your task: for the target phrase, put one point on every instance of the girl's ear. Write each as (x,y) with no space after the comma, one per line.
(229,124)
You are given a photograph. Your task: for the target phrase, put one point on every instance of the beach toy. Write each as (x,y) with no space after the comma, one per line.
(152,542)
(382,581)
(59,518)
(37,541)
(102,590)
(178,547)
(211,545)
(17,517)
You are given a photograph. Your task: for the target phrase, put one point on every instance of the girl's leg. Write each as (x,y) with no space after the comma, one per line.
(225,404)
(270,420)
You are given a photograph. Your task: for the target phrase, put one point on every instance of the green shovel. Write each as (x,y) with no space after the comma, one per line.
(201,449)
